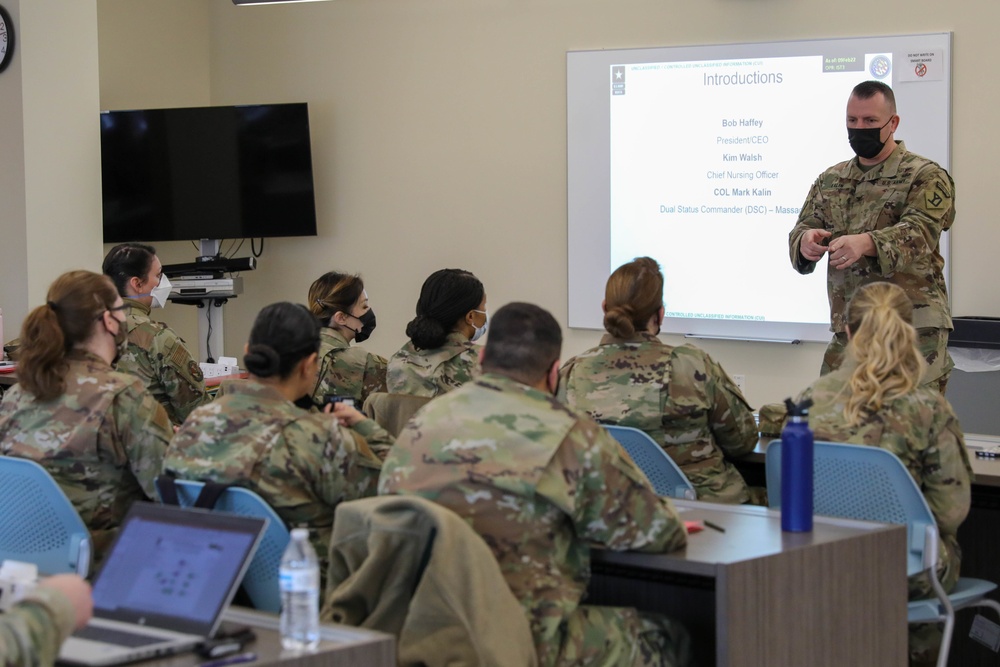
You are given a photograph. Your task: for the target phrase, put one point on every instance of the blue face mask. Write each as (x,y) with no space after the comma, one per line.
(481,331)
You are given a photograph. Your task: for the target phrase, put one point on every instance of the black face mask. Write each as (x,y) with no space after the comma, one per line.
(367,326)
(866,142)
(121,342)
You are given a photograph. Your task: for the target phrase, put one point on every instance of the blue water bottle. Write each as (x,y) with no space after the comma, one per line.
(797,469)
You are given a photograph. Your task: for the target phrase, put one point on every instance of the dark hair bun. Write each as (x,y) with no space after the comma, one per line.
(426,334)
(262,360)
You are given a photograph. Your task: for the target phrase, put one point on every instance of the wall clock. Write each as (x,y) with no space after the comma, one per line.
(6,39)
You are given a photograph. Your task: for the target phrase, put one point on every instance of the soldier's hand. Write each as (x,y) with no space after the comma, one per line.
(845,250)
(347,415)
(78,592)
(811,247)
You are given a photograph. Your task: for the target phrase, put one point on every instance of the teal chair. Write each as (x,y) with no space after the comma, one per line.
(665,476)
(872,484)
(38,523)
(261,580)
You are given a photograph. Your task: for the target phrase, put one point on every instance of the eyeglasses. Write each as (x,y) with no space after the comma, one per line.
(111,309)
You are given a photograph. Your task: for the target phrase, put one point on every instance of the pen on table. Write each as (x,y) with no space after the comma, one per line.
(231,660)
(713,526)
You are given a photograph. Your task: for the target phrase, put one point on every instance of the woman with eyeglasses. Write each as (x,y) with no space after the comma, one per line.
(440,356)
(339,302)
(155,353)
(98,432)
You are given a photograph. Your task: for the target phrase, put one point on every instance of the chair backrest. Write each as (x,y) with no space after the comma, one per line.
(261,580)
(392,411)
(861,482)
(665,476)
(38,523)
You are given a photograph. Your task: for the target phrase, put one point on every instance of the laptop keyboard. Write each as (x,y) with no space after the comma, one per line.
(118,637)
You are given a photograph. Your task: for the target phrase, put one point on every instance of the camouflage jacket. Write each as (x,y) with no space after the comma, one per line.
(33,630)
(905,203)
(679,396)
(103,440)
(538,482)
(922,430)
(160,358)
(433,372)
(302,463)
(346,370)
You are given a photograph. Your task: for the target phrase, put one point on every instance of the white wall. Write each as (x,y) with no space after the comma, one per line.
(439,133)
(50,180)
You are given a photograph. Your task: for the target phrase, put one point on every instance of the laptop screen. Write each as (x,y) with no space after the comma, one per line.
(175,568)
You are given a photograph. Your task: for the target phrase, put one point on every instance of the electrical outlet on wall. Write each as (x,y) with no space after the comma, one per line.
(741,382)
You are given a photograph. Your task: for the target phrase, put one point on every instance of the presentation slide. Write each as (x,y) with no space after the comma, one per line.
(704,164)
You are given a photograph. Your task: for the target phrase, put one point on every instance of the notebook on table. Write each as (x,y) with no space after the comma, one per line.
(165,583)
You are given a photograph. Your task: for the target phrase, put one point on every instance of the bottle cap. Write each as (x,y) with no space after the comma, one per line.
(300,533)
(798,409)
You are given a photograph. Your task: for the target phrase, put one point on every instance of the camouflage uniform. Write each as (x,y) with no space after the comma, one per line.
(922,430)
(679,396)
(103,440)
(540,483)
(346,370)
(904,204)
(301,463)
(32,632)
(431,373)
(160,358)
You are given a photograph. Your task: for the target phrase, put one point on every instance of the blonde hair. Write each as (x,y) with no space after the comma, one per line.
(884,345)
(634,293)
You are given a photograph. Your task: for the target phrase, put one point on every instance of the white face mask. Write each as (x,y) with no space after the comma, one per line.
(161,292)
(481,331)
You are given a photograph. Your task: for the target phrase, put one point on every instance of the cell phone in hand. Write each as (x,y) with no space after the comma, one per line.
(330,399)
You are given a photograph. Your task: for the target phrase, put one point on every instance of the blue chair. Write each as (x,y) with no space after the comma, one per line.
(665,476)
(38,523)
(872,484)
(261,580)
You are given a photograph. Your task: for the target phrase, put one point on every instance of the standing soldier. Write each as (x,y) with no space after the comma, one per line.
(880,217)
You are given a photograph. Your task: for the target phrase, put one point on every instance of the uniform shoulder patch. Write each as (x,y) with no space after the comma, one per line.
(937,197)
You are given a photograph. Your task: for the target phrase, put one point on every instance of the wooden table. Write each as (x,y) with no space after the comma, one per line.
(756,596)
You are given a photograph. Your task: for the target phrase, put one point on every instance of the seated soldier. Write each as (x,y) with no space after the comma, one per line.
(541,483)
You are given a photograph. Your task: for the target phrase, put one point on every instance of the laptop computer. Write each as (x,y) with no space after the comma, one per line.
(165,583)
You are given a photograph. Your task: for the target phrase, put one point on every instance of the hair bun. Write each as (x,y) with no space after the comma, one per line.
(618,321)
(262,360)
(426,333)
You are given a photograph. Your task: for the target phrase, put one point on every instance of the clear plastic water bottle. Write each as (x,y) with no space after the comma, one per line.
(299,581)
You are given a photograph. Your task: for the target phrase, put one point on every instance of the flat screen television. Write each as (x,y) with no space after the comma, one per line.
(207,173)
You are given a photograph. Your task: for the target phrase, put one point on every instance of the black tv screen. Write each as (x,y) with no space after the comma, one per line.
(207,173)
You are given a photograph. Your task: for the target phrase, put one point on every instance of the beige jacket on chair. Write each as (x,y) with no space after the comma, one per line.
(410,567)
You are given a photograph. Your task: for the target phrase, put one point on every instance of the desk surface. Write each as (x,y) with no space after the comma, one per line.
(757,596)
(339,645)
(751,533)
